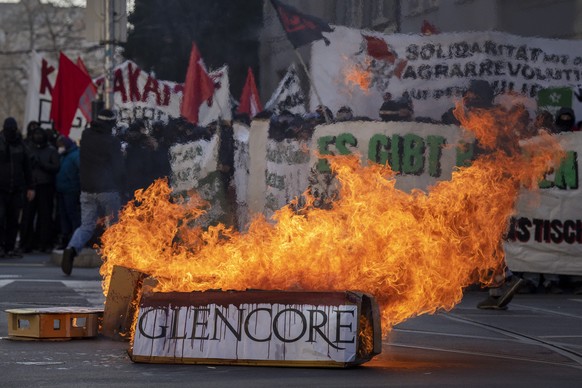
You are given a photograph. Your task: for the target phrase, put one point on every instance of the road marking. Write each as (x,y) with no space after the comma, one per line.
(5,282)
(92,290)
(10,276)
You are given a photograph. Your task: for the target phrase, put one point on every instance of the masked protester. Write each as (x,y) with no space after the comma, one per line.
(565,120)
(68,189)
(16,185)
(37,228)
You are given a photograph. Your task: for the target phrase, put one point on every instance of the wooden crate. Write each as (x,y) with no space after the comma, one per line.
(277,328)
(54,322)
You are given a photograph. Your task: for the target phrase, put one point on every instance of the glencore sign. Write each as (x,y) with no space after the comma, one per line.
(254,327)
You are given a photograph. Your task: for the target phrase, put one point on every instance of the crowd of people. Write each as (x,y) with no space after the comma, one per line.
(46,183)
(54,195)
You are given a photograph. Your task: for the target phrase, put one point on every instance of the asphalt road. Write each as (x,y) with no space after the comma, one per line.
(537,342)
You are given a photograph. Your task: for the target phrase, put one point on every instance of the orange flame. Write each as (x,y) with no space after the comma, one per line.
(357,76)
(415,252)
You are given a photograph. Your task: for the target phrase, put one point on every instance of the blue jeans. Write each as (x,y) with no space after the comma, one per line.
(92,206)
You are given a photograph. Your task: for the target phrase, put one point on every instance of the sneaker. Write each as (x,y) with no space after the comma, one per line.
(67,262)
(491,303)
(509,290)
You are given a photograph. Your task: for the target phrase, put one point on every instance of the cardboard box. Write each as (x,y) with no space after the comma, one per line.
(125,288)
(278,328)
(54,322)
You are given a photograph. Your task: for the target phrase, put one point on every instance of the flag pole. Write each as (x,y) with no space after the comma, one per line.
(325,115)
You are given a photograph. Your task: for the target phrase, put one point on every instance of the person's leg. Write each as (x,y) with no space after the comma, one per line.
(3,203)
(552,283)
(506,285)
(45,217)
(89,213)
(111,203)
(12,221)
(66,226)
(27,225)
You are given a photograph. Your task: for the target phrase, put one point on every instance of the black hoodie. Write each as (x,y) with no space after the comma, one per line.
(102,168)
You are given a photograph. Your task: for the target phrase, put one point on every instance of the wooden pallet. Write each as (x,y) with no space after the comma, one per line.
(54,323)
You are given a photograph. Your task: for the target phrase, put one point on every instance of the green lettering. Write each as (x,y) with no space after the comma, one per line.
(395,151)
(567,173)
(413,154)
(435,151)
(323,144)
(342,140)
(378,149)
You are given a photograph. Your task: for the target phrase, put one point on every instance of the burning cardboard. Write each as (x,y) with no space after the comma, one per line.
(257,328)
(120,306)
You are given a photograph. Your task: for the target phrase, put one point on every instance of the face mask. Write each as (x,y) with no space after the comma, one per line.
(61,150)
(11,134)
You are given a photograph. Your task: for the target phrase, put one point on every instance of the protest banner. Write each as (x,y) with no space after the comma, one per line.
(435,70)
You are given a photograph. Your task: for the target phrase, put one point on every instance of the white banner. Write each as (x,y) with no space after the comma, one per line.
(288,95)
(287,172)
(42,75)
(546,231)
(139,95)
(241,174)
(436,69)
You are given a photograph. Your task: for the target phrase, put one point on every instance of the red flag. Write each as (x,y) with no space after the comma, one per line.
(378,48)
(249,99)
(198,87)
(428,28)
(85,103)
(71,83)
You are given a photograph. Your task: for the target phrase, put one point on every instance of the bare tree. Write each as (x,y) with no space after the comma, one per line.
(48,27)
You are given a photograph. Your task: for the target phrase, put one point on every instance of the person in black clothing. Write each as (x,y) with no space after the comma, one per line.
(162,166)
(139,158)
(565,120)
(102,175)
(396,110)
(37,217)
(15,184)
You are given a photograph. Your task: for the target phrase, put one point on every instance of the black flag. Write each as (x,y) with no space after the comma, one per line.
(301,29)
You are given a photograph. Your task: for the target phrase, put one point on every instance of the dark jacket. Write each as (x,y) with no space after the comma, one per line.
(15,167)
(102,168)
(68,177)
(45,160)
(139,162)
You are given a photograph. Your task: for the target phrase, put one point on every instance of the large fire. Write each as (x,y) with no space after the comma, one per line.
(415,252)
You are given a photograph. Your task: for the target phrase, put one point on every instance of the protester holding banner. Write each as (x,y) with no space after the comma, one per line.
(15,184)
(102,176)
